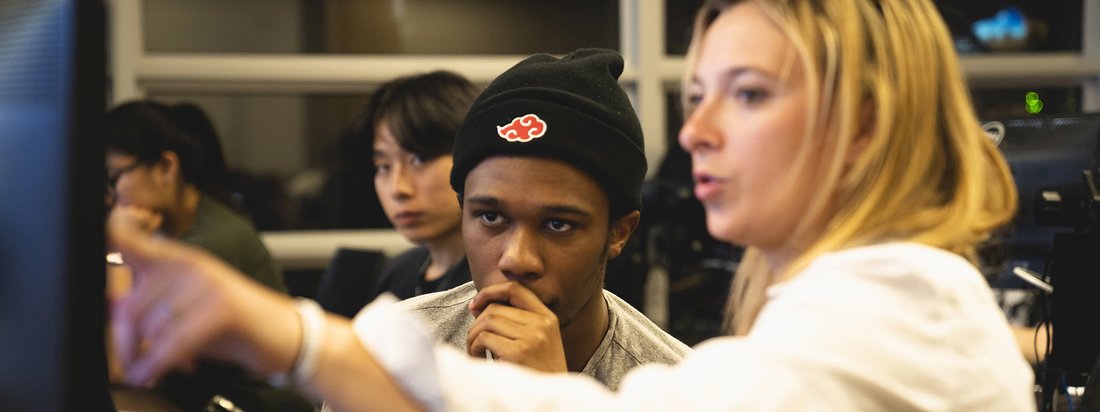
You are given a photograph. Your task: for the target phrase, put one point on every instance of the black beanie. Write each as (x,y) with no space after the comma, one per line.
(570,109)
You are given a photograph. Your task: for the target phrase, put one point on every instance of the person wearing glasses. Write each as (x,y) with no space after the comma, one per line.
(167,161)
(166,173)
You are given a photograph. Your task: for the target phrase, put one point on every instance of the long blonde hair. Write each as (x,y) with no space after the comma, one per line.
(926,172)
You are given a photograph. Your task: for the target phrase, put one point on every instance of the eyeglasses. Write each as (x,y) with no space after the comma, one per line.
(112,180)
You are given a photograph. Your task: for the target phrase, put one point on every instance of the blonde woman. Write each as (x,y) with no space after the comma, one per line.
(836,140)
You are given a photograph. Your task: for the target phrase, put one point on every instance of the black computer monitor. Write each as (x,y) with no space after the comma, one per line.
(1057,233)
(51,206)
(1045,153)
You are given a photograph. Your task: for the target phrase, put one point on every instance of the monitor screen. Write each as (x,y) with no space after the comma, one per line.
(1044,153)
(51,212)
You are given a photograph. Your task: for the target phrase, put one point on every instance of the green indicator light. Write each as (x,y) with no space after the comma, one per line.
(1034,105)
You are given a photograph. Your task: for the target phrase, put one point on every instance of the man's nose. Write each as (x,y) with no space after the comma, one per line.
(521,257)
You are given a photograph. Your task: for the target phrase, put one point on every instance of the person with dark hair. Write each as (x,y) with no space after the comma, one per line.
(168,160)
(410,124)
(165,169)
(549,167)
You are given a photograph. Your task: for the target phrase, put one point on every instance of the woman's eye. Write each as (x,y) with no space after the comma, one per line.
(750,96)
(694,99)
(559,226)
(381,168)
(416,160)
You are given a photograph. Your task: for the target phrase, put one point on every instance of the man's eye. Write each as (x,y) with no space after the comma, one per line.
(559,226)
(382,168)
(491,219)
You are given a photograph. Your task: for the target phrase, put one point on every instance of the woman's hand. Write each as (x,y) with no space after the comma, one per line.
(186,305)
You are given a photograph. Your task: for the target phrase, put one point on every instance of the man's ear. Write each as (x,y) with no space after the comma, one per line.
(621,229)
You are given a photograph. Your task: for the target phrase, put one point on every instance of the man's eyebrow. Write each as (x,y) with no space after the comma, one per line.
(484,201)
(567,210)
(561,209)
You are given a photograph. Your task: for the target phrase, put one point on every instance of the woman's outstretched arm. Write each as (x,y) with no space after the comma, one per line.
(187,305)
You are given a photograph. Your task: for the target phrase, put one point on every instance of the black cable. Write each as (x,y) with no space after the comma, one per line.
(1048,382)
(1045,318)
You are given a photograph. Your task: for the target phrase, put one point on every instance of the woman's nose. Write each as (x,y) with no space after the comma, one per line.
(699,131)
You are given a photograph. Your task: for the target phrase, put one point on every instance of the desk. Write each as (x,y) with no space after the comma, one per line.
(141,400)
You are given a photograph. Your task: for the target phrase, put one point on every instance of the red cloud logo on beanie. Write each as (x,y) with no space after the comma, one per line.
(523,129)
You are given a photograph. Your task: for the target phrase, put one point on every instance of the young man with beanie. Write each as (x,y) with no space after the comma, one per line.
(548,168)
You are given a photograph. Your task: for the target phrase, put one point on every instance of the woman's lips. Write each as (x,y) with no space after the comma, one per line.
(706,186)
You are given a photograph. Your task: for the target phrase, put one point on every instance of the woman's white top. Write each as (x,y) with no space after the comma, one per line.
(897,327)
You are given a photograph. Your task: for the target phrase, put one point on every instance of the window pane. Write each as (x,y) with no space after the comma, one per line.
(976,25)
(679,16)
(380,26)
(292,159)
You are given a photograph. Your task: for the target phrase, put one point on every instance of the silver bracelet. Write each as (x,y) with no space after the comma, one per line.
(312,319)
